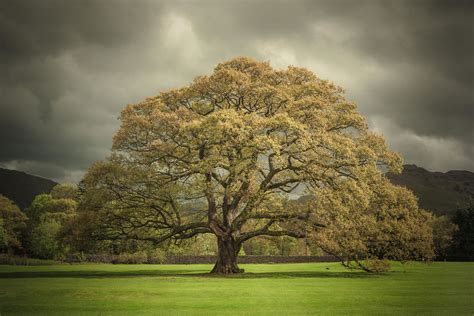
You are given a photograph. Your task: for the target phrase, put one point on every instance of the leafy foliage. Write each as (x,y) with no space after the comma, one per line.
(377,222)
(48,213)
(43,241)
(12,225)
(65,191)
(443,235)
(463,239)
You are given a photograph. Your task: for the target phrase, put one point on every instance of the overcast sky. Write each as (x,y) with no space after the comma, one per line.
(69,67)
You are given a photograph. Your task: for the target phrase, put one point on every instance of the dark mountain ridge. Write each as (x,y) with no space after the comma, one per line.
(438,192)
(21,187)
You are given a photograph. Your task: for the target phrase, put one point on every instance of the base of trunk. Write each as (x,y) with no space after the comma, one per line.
(220,268)
(227,252)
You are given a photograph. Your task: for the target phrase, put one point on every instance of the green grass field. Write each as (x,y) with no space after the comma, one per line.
(279,289)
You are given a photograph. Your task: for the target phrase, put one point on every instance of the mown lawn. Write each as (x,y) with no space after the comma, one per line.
(279,289)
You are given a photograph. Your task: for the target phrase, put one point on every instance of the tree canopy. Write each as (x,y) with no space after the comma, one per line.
(462,248)
(226,154)
(47,215)
(12,225)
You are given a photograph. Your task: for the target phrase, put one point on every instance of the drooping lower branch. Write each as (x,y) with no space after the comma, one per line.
(348,262)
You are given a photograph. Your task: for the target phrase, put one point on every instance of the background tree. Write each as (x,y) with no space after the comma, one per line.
(443,235)
(3,235)
(12,225)
(43,242)
(222,156)
(47,215)
(462,248)
(67,191)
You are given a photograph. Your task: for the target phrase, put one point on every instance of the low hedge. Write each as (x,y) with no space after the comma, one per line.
(158,258)
(250,259)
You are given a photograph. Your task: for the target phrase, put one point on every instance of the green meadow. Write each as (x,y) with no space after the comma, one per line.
(265,289)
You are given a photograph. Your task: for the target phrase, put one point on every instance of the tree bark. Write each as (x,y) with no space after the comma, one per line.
(227,252)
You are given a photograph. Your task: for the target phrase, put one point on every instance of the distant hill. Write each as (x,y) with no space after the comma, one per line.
(21,187)
(438,192)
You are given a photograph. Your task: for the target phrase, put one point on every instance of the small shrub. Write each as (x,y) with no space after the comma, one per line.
(76,257)
(24,261)
(156,256)
(377,265)
(133,258)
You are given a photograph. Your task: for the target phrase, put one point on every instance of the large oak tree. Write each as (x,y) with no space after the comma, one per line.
(225,155)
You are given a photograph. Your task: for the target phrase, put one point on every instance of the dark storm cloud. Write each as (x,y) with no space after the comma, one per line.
(58,111)
(69,67)
(33,29)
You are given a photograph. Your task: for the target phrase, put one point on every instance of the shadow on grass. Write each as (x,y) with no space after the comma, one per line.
(184,273)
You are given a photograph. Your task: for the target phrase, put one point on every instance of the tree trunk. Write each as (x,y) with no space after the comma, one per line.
(227,252)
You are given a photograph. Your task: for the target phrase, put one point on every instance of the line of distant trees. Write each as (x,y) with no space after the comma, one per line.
(48,228)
